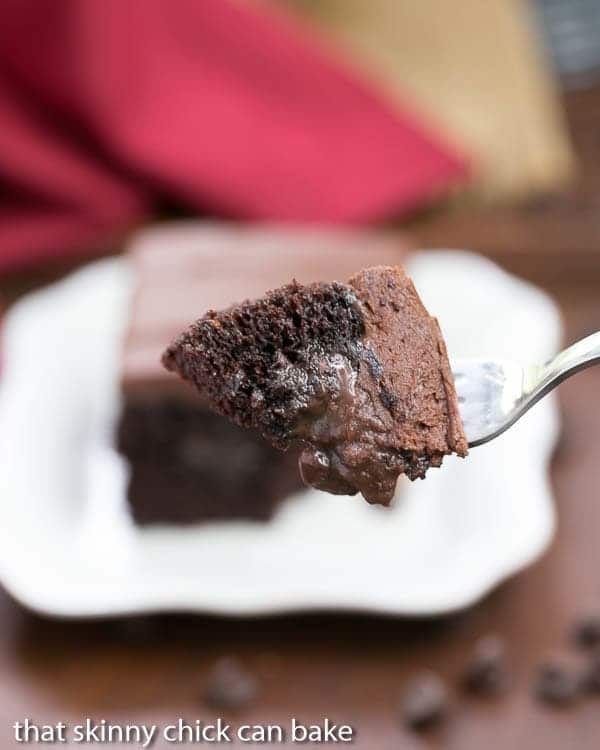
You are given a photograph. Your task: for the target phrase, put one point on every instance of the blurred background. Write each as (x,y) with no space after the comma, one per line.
(464,125)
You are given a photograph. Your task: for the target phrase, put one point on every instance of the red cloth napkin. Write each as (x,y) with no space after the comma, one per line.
(112,109)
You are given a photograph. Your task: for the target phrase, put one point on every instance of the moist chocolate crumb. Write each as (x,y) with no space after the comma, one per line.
(586,631)
(229,686)
(556,682)
(424,701)
(487,671)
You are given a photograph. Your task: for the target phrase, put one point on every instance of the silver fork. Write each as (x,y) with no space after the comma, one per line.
(494,394)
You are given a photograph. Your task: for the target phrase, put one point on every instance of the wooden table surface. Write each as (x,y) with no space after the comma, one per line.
(350,669)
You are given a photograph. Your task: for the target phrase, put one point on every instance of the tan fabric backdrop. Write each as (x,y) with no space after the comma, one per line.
(474,68)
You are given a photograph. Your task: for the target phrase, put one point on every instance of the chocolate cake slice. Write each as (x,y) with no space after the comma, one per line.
(357,372)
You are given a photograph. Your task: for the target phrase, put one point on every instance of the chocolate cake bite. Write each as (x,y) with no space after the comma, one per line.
(356,372)
(185,464)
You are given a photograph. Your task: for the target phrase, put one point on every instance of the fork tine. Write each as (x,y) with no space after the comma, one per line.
(488,392)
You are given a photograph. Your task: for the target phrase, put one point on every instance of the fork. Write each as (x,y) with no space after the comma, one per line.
(494,394)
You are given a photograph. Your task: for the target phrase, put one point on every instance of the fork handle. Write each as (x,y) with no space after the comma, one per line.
(574,358)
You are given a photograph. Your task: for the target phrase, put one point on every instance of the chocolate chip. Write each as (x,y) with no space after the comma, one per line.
(424,701)
(556,682)
(586,631)
(591,675)
(487,672)
(229,686)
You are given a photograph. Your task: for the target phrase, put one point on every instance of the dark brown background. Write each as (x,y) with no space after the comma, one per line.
(352,668)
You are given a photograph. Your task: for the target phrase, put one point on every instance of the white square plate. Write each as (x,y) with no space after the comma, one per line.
(68,546)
